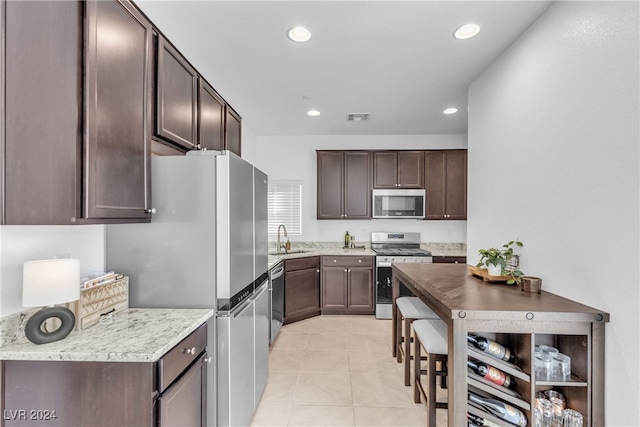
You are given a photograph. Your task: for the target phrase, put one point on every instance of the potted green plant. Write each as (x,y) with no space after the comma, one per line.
(498,262)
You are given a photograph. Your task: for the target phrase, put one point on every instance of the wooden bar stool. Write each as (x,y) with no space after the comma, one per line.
(432,336)
(408,309)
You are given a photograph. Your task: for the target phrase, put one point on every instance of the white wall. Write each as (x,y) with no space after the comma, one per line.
(249,144)
(23,243)
(294,157)
(553,140)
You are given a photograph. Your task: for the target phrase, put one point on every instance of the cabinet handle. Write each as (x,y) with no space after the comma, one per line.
(359,260)
(317,271)
(335,260)
(191,350)
(345,270)
(151,211)
(207,360)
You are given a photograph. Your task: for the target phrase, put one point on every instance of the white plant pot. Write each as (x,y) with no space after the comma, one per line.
(494,270)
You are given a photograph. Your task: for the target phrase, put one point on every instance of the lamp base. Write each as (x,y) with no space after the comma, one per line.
(37,335)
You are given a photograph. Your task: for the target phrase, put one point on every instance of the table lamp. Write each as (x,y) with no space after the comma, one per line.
(44,283)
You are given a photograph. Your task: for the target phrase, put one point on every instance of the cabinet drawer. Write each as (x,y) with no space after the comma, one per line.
(443,259)
(172,364)
(301,263)
(347,261)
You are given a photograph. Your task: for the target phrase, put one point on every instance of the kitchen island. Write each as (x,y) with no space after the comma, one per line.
(142,367)
(519,320)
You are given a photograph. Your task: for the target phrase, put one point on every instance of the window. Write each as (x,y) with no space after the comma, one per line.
(285,206)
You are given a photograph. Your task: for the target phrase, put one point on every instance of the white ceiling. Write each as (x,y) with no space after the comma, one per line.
(396,60)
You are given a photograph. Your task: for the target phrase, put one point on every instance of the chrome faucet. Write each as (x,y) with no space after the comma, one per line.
(279,243)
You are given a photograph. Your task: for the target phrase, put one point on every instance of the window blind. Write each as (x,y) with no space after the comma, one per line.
(285,206)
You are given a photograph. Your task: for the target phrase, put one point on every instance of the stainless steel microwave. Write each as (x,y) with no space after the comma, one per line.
(399,203)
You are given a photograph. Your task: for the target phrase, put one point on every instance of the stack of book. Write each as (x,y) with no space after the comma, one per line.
(98,278)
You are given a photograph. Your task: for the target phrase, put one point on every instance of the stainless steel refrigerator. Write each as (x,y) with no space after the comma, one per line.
(206,247)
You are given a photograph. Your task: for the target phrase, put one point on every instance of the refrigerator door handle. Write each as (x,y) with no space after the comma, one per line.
(260,289)
(237,311)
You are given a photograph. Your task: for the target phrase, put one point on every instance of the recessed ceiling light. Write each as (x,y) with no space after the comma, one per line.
(299,34)
(450,110)
(313,113)
(467,31)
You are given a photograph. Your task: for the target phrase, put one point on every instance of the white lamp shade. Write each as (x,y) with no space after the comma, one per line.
(50,281)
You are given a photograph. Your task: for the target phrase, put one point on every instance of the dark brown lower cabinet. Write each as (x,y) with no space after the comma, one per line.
(184,403)
(347,285)
(301,289)
(167,392)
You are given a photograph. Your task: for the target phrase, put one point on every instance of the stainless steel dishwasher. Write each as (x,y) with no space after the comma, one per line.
(276,300)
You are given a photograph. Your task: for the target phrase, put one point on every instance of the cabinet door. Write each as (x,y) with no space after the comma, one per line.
(446,184)
(385,170)
(361,298)
(117,116)
(112,393)
(410,169)
(301,295)
(211,114)
(184,402)
(233,130)
(334,288)
(176,97)
(456,178)
(330,188)
(357,185)
(42,164)
(435,184)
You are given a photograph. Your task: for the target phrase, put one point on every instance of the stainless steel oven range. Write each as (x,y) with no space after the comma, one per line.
(393,248)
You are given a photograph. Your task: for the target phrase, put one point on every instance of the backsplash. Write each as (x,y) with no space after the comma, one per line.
(437,248)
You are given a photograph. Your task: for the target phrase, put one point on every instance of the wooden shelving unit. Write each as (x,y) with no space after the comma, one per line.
(519,321)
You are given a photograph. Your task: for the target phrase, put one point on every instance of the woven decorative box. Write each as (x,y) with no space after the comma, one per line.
(99,301)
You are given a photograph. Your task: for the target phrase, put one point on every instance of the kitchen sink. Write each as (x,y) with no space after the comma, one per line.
(292,251)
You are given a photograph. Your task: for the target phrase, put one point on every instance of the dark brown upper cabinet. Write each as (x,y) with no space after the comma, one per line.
(211,118)
(118,118)
(398,169)
(233,132)
(344,184)
(65,164)
(446,184)
(177,97)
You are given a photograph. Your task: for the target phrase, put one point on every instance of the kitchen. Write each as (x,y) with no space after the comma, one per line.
(570,105)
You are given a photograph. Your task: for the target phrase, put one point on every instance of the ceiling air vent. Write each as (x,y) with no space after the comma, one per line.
(358,117)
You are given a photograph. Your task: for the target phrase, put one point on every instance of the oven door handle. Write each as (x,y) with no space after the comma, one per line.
(383,264)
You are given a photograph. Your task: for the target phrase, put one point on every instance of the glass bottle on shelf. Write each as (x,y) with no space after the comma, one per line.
(492,374)
(500,409)
(491,347)
(475,420)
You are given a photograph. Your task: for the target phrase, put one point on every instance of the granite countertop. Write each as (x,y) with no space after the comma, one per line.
(307,249)
(134,335)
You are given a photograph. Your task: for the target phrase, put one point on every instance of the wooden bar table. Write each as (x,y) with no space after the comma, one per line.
(519,320)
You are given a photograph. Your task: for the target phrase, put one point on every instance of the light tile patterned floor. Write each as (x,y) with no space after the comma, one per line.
(337,371)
